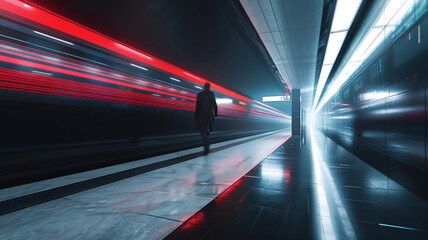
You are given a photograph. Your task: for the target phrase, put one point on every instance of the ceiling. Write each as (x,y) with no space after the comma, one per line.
(290,32)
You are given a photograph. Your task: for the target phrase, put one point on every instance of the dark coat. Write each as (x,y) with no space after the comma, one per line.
(206,108)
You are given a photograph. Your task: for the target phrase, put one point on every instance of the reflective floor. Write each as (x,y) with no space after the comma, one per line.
(267,187)
(310,188)
(147,206)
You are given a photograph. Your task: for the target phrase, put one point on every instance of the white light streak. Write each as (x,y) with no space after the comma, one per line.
(387,22)
(375,95)
(51,58)
(140,67)
(396,226)
(344,14)
(49,36)
(327,185)
(342,117)
(174,79)
(53,50)
(333,46)
(223,100)
(42,73)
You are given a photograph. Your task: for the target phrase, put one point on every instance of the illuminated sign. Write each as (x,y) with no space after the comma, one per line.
(276,98)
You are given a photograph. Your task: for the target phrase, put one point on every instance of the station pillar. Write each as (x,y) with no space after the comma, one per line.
(295,112)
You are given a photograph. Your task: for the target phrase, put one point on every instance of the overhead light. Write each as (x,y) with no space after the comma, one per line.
(321,84)
(223,100)
(49,36)
(242,103)
(198,87)
(333,46)
(389,19)
(140,67)
(344,14)
(174,79)
(325,70)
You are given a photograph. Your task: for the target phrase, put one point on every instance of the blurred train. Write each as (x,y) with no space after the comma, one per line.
(380,114)
(73,99)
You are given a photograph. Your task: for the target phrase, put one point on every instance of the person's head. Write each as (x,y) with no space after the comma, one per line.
(207,86)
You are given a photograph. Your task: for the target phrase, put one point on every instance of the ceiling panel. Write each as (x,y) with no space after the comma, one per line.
(279,11)
(303,42)
(303,13)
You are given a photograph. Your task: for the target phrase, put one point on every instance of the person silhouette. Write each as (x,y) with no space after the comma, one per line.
(206,109)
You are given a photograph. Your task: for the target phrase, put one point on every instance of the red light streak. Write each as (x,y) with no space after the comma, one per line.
(51,86)
(83,75)
(97,68)
(33,13)
(85,69)
(231,106)
(35,83)
(54,69)
(59,23)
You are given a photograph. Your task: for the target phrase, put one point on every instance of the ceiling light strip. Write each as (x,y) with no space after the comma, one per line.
(368,45)
(344,14)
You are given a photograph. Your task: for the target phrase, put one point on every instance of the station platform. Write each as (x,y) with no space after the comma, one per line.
(145,199)
(267,186)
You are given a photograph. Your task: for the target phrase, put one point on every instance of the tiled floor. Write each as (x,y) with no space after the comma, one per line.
(147,206)
(26,189)
(310,188)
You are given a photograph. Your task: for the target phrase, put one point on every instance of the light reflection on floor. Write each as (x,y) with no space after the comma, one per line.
(328,196)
